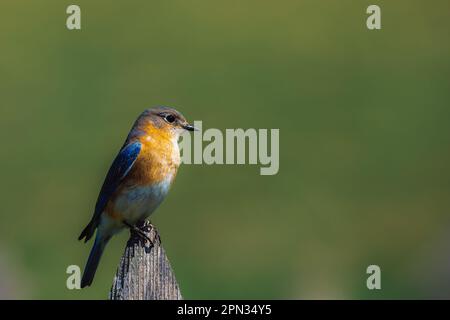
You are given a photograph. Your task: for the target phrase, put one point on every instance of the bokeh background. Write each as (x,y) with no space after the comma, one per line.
(364,143)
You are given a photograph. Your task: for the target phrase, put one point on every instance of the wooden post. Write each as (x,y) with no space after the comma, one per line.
(144,272)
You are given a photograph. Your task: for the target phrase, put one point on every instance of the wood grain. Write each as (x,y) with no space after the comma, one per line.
(144,272)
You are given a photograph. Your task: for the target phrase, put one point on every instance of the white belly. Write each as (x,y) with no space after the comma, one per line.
(137,203)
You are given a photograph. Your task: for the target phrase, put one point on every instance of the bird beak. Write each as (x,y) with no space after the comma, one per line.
(189,127)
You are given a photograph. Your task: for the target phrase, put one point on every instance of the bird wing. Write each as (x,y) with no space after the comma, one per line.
(117,172)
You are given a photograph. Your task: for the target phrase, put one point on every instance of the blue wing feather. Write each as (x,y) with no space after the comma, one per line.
(118,170)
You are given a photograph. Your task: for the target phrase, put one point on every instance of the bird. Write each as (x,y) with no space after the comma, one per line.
(137,181)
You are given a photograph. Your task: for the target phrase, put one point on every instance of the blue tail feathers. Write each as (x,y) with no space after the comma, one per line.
(93,260)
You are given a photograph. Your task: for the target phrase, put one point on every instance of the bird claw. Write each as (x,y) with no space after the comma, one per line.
(143,234)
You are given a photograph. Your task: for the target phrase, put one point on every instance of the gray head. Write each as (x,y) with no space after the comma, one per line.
(164,121)
(166,117)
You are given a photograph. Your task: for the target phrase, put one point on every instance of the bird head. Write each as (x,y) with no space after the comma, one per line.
(164,121)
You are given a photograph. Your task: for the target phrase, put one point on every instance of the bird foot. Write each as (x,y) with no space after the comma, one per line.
(143,234)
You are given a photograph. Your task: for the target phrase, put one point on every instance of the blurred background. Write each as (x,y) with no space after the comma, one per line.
(364,143)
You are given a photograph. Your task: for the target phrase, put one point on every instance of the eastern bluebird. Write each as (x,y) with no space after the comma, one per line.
(137,181)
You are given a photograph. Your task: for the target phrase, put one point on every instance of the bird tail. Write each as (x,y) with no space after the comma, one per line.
(93,260)
(88,232)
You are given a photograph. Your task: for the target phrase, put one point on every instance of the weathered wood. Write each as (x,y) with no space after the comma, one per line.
(144,272)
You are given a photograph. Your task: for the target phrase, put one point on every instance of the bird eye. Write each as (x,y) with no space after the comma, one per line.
(169,118)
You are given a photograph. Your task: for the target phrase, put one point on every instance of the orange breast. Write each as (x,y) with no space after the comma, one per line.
(158,160)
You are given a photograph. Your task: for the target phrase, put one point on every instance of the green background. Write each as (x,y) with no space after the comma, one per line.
(364,143)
